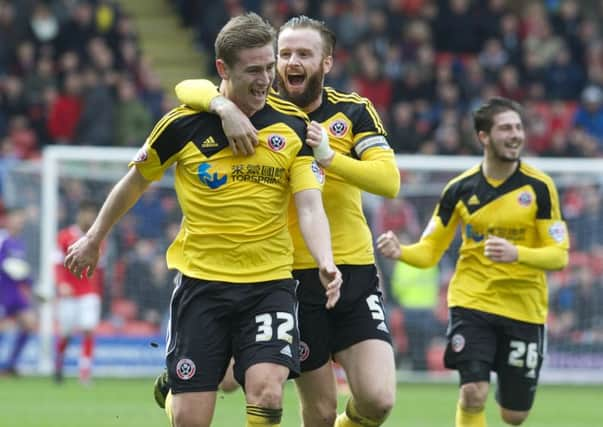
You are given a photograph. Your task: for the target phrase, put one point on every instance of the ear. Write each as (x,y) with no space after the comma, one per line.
(327,64)
(222,69)
(483,137)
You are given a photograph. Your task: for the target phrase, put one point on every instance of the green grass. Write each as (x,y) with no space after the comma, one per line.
(37,402)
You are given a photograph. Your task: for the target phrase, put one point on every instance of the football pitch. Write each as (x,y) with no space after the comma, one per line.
(38,402)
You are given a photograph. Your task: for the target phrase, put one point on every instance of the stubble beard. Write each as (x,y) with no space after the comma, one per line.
(308,95)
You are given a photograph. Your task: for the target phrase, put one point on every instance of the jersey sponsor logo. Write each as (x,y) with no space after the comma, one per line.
(525,199)
(557,231)
(185,369)
(213,181)
(457,343)
(473,200)
(141,155)
(338,128)
(472,234)
(304,351)
(276,142)
(260,174)
(318,172)
(210,142)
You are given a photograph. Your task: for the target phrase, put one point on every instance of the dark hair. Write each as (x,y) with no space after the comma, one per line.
(483,117)
(242,32)
(327,36)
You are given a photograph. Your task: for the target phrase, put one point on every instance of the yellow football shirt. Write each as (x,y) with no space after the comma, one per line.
(523,209)
(355,131)
(234,226)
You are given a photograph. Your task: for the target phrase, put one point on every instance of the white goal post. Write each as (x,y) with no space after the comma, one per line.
(564,171)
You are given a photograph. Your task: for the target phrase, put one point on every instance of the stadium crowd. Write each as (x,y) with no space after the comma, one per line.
(72,72)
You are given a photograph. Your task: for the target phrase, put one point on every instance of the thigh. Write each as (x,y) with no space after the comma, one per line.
(266,328)
(194,408)
(199,335)
(89,311)
(471,337)
(317,391)
(365,361)
(518,362)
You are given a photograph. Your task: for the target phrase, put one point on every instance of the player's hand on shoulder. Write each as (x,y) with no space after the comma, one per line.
(331,279)
(241,134)
(82,257)
(318,138)
(498,249)
(389,245)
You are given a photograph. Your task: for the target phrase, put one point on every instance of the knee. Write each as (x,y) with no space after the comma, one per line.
(266,392)
(184,418)
(379,405)
(473,395)
(323,411)
(514,418)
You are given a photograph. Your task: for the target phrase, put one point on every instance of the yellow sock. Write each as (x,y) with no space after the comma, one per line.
(470,418)
(263,417)
(168,407)
(351,418)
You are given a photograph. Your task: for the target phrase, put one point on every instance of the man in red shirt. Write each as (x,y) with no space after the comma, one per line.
(79,300)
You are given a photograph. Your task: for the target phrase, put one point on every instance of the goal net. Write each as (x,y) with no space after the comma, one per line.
(137,286)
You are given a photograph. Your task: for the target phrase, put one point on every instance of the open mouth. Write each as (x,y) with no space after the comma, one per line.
(258,93)
(296,80)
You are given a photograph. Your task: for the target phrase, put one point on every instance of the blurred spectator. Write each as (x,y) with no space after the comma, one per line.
(22,137)
(403,135)
(564,78)
(78,30)
(457,28)
(44,25)
(583,207)
(578,307)
(65,110)
(96,125)
(589,115)
(132,119)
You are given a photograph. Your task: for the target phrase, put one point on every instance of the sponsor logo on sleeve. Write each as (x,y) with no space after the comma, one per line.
(141,156)
(557,231)
(318,172)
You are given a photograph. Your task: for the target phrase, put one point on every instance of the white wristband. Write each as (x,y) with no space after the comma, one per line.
(323,151)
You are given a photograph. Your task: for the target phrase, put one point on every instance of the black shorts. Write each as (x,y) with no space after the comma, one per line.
(212,321)
(358,315)
(480,342)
